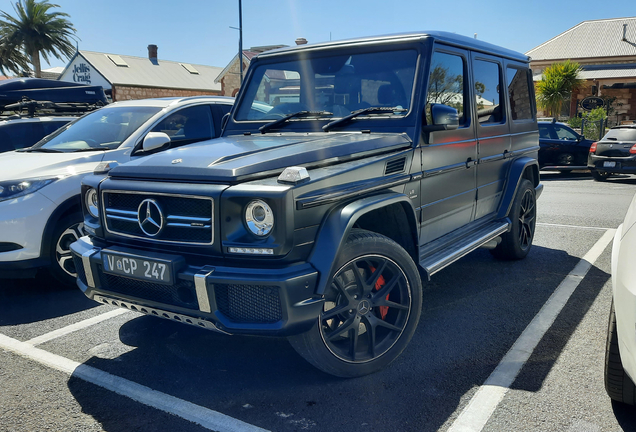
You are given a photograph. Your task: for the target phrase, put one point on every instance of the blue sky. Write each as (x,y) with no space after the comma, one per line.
(198,31)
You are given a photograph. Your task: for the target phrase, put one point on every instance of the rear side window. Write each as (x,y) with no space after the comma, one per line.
(22,134)
(519,94)
(446,85)
(487,92)
(188,125)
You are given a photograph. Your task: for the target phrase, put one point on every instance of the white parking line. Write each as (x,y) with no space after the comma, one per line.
(205,417)
(74,327)
(572,226)
(480,408)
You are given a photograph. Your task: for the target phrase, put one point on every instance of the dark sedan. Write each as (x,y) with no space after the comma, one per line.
(561,148)
(614,153)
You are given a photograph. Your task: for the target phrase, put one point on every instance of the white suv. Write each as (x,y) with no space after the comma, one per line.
(40,212)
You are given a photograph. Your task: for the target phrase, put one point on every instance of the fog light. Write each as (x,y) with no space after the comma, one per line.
(251,251)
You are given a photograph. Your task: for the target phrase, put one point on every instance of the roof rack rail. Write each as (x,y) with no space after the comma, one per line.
(35,108)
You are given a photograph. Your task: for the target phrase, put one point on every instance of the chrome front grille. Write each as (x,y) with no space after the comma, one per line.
(184,219)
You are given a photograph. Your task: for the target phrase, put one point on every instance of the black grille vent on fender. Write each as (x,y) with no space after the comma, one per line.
(395,166)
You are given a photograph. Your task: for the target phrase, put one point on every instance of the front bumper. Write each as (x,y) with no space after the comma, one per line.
(619,164)
(274,302)
(22,223)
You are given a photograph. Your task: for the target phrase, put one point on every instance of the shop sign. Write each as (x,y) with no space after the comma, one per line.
(592,102)
(82,73)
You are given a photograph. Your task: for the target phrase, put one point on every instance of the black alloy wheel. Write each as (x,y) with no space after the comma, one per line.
(527,219)
(600,175)
(371,308)
(516,243)
(366,309)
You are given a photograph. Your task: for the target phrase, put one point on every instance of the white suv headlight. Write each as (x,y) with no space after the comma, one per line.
(16,188)
(259,218)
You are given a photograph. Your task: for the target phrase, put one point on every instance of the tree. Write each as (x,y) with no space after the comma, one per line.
(558,82)
(36,30)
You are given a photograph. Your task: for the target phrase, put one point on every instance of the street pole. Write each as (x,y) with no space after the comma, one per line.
(240,57)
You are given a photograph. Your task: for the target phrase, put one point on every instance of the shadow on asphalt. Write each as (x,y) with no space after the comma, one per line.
(24,301)
(547,176)
(473,312)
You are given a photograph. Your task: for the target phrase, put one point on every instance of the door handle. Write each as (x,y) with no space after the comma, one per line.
(470,162)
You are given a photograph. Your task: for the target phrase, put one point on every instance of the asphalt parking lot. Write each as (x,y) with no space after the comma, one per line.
(69,364)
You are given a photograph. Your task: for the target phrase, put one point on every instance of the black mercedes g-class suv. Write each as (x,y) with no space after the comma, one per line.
(346,172)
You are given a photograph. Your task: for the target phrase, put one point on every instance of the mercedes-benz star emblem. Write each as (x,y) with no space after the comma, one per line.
(150,217)
(364,307)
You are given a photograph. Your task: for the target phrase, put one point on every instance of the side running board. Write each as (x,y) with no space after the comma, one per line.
(459,247)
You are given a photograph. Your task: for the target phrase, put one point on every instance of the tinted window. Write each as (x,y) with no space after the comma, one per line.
(487,95)
(188,125)
(544,131)
(446,84)
(20,135)
(519,94)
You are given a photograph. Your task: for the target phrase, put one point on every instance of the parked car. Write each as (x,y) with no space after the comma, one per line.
(21,132)
(615,153)
(562,148)
(314,217)
(40,212)
(620,352)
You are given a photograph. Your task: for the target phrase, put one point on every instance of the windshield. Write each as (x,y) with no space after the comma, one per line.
(104,129)
(333,86)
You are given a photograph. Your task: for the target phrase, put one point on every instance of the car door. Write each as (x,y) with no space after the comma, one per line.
(449,156)
(493,132)
(570,151)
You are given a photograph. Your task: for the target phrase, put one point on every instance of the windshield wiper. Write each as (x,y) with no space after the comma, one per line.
(89,149)
(305,113)
(369,110)
(42,150)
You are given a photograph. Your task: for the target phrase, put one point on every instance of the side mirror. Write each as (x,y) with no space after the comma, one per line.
(444,118)
(155,140)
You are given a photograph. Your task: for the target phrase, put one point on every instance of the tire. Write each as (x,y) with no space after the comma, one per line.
(618,385)
(565,159)
(516,243)
(66,232)
(367,321)
(600,175)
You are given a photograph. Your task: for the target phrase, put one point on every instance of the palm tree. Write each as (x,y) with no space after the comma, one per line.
(558,82)
(37,30)
(11,58)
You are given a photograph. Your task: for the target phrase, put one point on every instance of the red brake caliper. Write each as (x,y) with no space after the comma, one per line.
(378,286)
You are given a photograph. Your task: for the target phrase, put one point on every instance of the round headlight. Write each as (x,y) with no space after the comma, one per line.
(91,202)
(259,218)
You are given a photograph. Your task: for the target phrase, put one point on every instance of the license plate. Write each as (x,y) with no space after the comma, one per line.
(140,268)
(609,164)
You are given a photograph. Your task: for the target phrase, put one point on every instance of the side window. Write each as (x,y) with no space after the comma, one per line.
(564,134)
(25,134)
(544,131)
(188,125)
(519,94)
(487,95)
(446,84)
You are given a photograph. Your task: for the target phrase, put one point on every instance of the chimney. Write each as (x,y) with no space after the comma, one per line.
(152,53)
(301,41)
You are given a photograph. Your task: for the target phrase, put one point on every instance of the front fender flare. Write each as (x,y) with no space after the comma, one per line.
(336,227)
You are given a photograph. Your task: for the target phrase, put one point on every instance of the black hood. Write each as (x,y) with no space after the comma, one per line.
(238,158)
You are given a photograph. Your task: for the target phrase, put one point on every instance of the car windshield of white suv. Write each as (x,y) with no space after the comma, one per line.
(331,87)
(104,129)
